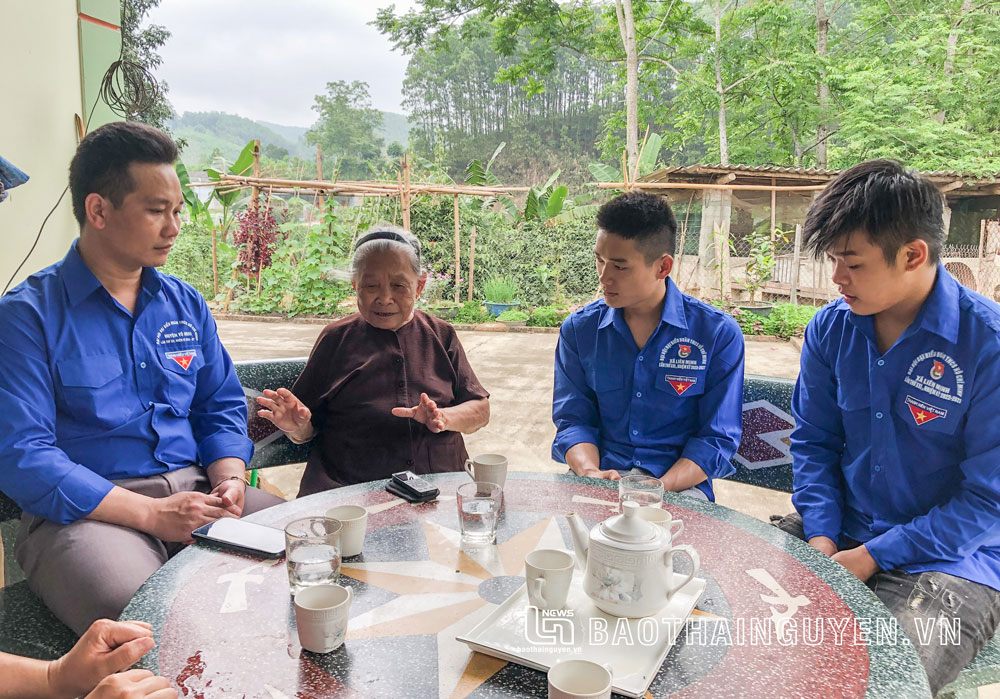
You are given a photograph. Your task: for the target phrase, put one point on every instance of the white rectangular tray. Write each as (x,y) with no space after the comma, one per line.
(634,648)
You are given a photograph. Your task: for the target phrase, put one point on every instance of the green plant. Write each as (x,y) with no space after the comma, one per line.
(472,312)
(548,317)
(500,289)
(761,260)
(512,316)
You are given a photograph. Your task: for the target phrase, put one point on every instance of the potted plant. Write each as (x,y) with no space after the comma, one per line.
(500,292)
(760,264)
(513,319)
(445,309)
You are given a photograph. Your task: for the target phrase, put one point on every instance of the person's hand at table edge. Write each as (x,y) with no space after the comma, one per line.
(107,647)
(858,561)
(287,413)
(824,544)
(134,684)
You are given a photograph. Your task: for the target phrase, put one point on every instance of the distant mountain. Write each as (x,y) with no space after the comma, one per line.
(395,128)
(206,132)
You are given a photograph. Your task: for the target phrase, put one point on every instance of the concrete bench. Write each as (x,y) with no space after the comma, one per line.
(763,459)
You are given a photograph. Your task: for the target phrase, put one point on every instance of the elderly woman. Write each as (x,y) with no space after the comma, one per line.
(387,389)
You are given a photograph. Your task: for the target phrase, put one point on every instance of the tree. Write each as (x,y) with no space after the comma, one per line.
(347,129)
(532,31)
(139,45)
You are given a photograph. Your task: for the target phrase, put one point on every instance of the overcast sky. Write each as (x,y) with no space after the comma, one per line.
(266,60)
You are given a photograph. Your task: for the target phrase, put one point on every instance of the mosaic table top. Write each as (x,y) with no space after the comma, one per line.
(777,617)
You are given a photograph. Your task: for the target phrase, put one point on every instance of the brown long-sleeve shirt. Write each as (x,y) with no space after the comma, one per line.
(356,375)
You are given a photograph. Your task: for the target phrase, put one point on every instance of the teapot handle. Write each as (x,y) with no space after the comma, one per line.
(695,566)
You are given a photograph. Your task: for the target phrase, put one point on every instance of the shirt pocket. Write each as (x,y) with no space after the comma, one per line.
(680,385)
(181,376)
(609,385)
(92,387)
(922,413)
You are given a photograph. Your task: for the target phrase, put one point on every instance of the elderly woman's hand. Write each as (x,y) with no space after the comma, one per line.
(288,413)
(426,413)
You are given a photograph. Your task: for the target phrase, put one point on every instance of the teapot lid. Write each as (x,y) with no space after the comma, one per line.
(629,527)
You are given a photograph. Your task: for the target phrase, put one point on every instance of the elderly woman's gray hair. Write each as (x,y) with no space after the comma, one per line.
(380,238)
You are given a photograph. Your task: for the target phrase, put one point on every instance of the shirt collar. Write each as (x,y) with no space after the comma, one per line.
(672,314)
(80,282)
(940,312)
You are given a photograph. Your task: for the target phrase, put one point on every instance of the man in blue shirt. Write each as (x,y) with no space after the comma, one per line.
(114,387)
(897,442)
(647,380)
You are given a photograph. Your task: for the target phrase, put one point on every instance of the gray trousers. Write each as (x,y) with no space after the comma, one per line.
(930,596)
(89,570)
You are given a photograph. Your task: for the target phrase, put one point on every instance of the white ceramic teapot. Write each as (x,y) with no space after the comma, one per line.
(628,563)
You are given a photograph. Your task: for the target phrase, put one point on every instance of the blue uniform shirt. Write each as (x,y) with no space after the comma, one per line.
(901,451)
(680,395)
(92,393)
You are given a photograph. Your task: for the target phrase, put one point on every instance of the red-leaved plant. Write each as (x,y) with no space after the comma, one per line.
(256,237)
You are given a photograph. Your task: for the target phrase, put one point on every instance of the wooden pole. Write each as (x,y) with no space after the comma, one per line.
(680,248)
(406,191)
(982,246)
(794,293)
(625,180)
(319,173)
(255,190)
(215,263)
(472,259)
(458,255)
(774,219)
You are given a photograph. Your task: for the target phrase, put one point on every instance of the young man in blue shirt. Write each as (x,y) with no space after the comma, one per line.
(897,442)
(647,380)
(124,425)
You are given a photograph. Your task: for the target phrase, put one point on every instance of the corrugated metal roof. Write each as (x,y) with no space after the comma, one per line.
(773,170)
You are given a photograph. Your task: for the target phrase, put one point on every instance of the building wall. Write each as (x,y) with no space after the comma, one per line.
(41,91)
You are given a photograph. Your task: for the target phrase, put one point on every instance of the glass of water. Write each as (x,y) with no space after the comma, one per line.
(478,511)
(312,552)
(645,491)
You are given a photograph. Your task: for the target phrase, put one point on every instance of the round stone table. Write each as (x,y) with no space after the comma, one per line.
(224,623)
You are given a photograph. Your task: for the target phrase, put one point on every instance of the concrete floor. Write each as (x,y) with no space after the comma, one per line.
(516,368)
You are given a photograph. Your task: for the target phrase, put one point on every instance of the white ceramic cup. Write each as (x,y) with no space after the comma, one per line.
(488,467)
(548,573)
(321,613)
(579,679)
(662,518)
(355,521)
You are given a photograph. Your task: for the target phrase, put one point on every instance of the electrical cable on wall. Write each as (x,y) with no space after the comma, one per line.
(129,90)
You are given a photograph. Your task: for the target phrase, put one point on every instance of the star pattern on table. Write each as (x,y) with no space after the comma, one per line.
(440,596)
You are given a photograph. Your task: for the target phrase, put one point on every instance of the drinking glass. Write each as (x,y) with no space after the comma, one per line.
(478,511)
(645,491)
(312,552)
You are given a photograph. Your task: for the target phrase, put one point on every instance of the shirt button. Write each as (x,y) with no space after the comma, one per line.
(400,384)
(142,365)
(150,404)
(635,431)
(638,394)
(641,357)
(881,362)
(877,468)
(398,360)
(638,463)
(409,462)
(878,415)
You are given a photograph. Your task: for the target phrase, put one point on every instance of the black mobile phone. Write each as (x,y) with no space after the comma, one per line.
(245,537)
(396,489)
(418,488)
